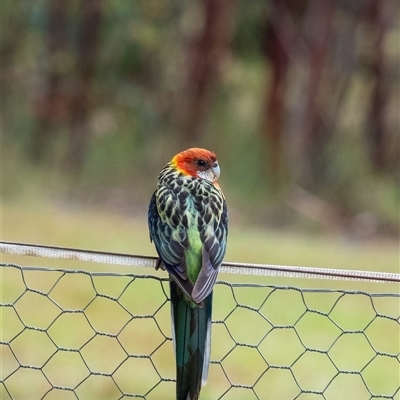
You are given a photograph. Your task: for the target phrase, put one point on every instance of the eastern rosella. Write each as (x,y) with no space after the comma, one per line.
(188,224)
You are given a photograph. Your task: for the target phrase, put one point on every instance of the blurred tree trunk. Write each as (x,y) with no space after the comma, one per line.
(377,140)
(50,104)
(276,51)
(317,122)
(307,127)
(206,51)
(80,102)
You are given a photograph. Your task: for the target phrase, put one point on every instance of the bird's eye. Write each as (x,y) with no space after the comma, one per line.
(200,163)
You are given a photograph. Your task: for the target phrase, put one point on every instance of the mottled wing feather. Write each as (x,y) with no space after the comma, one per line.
(166,227)
(213,227)
(215,244)
(170,245)
(206,279)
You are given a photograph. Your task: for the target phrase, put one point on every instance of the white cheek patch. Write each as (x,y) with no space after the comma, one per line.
(208,175)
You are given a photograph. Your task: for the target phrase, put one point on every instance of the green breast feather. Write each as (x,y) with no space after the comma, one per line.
(193,254)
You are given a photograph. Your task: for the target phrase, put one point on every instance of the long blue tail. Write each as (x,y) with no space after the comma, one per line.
(192,337)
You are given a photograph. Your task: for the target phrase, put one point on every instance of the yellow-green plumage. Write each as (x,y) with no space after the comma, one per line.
(193,253)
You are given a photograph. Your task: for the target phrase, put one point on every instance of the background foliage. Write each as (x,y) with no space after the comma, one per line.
(299,99)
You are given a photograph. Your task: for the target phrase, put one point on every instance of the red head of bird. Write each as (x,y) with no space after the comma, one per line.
(197,162)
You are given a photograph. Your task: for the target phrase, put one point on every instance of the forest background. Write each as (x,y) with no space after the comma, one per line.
(299,99)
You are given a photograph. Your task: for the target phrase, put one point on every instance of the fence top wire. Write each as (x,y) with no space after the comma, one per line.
(25,249)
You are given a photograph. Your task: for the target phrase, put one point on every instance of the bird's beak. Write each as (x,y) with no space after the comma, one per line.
(216,171)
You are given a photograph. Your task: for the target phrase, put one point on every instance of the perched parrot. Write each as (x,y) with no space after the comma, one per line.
(188,224)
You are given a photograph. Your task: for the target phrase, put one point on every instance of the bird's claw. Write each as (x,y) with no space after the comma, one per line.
(159,264)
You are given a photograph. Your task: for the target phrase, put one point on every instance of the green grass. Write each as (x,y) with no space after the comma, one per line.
(283,327)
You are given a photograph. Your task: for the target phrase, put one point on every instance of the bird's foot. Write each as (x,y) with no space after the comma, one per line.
(159,264)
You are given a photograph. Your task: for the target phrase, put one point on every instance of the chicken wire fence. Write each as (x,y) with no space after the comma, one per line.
(74,334)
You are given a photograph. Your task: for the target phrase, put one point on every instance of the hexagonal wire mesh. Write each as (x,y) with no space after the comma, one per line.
(72,334)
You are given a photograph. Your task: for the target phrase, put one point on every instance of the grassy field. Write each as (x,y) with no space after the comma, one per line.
(316,335)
